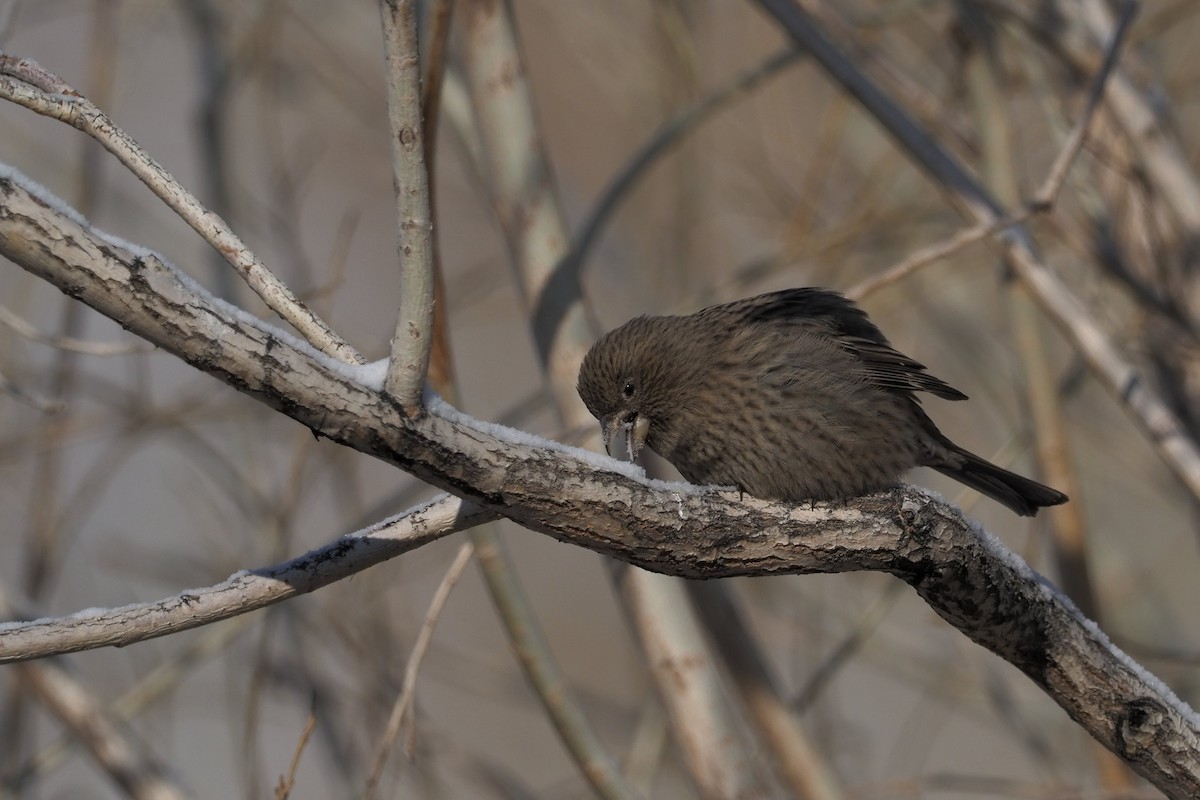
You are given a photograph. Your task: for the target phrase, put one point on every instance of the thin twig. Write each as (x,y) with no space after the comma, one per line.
(26,83)
(403,708)
(288,782)
(124,759)
(840,656)
(164,676)
(935,252)
(1045,196)
(1161,157)
(1066,526)
(1043,199)
(441,358)
(22,327)
(244,591)
(669,134)
(1160,424)
(412,340)
(435,70)
(35,400)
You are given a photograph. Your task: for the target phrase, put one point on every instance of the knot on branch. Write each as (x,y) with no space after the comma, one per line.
(1139,728)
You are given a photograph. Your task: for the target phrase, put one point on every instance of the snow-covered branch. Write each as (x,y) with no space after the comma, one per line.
(578,497)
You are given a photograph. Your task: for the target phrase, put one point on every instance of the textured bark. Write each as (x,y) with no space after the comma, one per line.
(962,572)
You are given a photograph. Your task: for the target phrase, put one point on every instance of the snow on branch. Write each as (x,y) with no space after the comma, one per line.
(965,575)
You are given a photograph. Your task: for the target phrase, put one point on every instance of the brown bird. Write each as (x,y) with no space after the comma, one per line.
(792,395)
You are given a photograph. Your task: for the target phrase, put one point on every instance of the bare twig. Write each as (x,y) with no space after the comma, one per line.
(120,756)
(165,675)
(1161,426)
(435,71)
(1157,149)
(33,399)
(935,252)
(669,135)
(22,327)
(1043,199)
(1057,176)
(244,591)
(288,782)
(1166,162)
(26,83)
(412,340)
(403,707)
(1066,525)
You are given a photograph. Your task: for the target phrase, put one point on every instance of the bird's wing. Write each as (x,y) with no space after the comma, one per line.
(823,311)
(889,368)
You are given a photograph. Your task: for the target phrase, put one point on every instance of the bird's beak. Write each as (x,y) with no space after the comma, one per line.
(636,428)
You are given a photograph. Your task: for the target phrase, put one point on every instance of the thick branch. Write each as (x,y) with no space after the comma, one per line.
(965,575)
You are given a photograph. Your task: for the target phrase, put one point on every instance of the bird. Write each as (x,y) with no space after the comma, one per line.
(789,396)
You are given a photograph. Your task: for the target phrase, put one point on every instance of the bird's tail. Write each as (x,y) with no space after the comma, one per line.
(1019,493)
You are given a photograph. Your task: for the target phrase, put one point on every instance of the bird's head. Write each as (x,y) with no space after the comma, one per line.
(628,380)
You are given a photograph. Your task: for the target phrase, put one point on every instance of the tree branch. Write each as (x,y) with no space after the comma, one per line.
(414,326)
(242,592)
(965,575)
(1148,409)
(26,83)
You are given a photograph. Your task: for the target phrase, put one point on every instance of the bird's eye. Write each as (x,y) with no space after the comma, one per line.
(628,389)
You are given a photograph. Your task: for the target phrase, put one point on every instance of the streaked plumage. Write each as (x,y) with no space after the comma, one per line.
(793,395)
